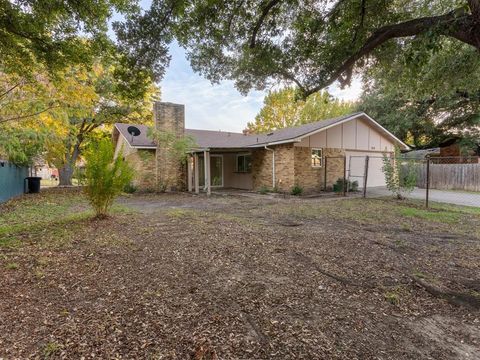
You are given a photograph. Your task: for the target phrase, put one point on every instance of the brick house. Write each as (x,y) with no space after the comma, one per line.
(281,159)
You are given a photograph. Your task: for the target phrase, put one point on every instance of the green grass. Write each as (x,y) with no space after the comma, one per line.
(430,215)
(54,215)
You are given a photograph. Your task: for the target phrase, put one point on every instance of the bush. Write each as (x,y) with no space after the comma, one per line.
(263,190)
(296,190)
(130,188)
(105,176)
(400,179)
(351,185)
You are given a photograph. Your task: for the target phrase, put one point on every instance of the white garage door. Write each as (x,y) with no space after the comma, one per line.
(356,168)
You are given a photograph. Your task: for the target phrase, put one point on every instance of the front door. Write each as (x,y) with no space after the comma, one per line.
(216,170)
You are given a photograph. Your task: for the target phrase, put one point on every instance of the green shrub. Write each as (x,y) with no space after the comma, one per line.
(130,188)
(351,185)
(263,190)
(105,176)
(296,190)
(400,174)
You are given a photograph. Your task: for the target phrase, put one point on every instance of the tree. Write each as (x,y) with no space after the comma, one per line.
(90,100)
(105,176)
(308,43)
(282,109)
(21,146)
(427,103)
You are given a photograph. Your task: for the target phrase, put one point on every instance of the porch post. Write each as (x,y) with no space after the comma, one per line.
(189,173)
(208,187)
(197,173)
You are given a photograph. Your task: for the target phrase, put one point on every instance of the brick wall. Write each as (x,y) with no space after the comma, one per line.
(306,176)
(334,165)
(170,173)
(284,167)
(144,165)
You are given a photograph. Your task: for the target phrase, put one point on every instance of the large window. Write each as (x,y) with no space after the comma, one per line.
(317,158)
(244,163)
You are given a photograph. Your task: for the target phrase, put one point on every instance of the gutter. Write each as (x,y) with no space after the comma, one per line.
(273,165)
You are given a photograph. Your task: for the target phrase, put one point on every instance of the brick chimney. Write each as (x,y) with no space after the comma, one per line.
(170,118)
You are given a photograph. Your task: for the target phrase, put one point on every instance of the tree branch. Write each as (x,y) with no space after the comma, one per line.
(260,21)
(21,117)
(452,24)
(5,93)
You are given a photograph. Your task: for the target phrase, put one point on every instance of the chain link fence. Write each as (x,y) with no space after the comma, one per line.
(453,180)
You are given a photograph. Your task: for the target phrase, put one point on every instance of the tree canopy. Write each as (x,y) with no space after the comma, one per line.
(282,109)
(427,103)
(308,43)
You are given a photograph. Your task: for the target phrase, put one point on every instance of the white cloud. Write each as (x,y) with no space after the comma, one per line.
(349,93)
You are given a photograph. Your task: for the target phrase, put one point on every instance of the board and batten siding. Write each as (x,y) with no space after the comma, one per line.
(356,134)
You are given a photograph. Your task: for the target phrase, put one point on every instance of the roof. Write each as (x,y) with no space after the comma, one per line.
(231,140)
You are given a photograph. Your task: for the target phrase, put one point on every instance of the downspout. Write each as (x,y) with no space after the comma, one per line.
(274,183)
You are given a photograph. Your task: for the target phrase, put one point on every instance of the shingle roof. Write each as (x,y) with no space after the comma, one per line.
(226,140)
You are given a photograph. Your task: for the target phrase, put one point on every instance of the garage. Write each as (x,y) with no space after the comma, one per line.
(356,168)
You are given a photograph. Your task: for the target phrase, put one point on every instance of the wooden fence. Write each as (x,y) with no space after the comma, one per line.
(450,176)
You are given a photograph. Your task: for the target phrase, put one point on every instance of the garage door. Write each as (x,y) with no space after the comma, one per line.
(356,168)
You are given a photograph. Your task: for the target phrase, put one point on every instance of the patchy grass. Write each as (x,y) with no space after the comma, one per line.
(441,216)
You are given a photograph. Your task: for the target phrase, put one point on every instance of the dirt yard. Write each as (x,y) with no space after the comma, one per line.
(185,277)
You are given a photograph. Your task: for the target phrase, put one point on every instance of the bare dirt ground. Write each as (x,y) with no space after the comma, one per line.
(184,277)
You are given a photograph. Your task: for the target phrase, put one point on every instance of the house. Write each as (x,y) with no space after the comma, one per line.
(281,159)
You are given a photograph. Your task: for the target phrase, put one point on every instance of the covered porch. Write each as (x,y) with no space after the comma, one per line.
(210,169)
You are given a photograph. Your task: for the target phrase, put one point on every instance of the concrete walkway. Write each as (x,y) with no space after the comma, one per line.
(441,196)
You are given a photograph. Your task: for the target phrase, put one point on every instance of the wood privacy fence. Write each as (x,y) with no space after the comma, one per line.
(450,176)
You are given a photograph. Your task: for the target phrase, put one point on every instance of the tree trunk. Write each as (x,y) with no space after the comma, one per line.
(65,174)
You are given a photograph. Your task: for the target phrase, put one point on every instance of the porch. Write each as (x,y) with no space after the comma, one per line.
(210,169)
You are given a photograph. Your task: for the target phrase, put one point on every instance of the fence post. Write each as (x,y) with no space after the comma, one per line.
(325,175)
(427,186)
(365,176)
(345,175)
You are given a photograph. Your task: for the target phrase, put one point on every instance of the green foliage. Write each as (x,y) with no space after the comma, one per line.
(282,108)
(426,104)
(106,177)
(21,145)
(264,190)
(296,190)
(39,35)
(308,43)
(400,174)
(351,185)
(130,188)
(177,147)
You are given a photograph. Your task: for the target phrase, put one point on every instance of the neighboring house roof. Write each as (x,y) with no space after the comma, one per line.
(421,154)
(226,140)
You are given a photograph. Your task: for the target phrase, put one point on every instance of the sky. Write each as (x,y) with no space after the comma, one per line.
(219,106)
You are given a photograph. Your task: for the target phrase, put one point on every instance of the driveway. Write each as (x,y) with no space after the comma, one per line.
(455,197)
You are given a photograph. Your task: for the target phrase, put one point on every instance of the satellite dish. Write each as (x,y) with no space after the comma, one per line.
(133,130)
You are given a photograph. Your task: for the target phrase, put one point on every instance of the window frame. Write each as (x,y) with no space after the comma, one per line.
(321,158)
(237,170)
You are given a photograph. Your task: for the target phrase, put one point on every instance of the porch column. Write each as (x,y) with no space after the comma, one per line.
(189,172)
(197,173)
(206,157)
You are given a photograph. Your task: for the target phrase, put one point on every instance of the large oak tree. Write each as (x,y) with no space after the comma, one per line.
(310,43)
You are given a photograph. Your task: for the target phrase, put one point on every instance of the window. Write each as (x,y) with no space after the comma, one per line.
(317,158)
(244,163)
